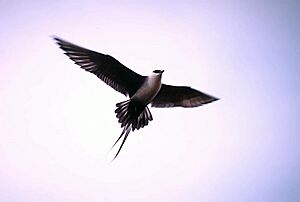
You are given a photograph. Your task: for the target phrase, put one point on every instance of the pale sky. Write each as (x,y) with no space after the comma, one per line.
(58,121)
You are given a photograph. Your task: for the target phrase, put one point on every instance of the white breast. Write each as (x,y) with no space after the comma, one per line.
(149,89)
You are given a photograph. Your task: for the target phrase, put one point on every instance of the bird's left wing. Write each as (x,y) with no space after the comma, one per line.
(107,68)
(180,96)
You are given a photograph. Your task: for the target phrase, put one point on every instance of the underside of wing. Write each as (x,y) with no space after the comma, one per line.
(180,96)
(107,68)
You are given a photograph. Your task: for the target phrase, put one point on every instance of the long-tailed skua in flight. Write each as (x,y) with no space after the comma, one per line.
(142,90)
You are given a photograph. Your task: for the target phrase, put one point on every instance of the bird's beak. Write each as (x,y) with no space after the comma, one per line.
(162,71)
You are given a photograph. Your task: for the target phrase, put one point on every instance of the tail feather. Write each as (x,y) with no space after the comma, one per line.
(125,131)
(132,115)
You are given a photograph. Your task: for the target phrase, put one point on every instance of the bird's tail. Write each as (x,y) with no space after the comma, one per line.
(132,115)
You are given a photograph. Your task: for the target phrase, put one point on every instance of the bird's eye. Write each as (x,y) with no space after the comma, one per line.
(156,71)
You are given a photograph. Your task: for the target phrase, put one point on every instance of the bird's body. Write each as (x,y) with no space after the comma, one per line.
(147,92)
(142,90)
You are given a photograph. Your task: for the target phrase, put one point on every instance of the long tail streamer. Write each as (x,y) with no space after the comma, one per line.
(132,116)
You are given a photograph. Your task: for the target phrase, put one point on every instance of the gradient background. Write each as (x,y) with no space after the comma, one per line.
(58,122)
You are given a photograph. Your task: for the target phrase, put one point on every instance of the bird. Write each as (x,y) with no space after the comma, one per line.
(133,113)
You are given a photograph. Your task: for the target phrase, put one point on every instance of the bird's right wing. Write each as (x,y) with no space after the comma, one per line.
(180,96)
(107,68)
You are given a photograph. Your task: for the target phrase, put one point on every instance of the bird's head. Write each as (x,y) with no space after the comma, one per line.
(158,71)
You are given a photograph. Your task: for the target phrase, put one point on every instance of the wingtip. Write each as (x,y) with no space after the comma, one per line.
(213,99)
(57,39)
(54,37)
(216,99)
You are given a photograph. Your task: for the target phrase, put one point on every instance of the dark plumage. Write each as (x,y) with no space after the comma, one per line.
(142,90)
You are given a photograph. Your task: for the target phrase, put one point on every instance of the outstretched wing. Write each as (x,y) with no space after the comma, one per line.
(107,68)
(180,96)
